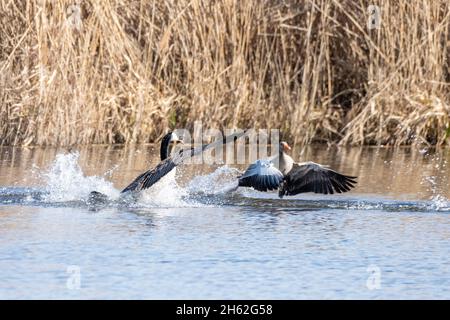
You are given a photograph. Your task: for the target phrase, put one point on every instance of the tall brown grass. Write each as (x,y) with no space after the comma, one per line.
(128,70)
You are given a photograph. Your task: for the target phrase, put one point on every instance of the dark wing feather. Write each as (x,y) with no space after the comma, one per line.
(313,177)
(150,177)
(262,176)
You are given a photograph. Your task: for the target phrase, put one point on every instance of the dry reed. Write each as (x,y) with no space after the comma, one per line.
(128,70)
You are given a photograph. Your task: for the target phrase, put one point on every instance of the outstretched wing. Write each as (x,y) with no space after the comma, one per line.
(150,177)
(313,177)
(262,176)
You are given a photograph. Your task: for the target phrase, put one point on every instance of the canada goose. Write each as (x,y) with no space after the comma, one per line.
(168,143)
(168,162)
(292,178)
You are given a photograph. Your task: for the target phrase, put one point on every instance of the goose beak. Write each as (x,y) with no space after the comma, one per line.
(286,147)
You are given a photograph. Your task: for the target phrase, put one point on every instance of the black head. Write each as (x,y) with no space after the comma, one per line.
(170,139)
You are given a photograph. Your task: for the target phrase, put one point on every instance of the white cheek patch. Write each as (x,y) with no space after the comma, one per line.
(174,137)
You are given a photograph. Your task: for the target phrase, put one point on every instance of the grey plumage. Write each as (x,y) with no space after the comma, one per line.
(262,176)
(293,178)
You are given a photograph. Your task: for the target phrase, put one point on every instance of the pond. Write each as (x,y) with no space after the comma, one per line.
(192,237)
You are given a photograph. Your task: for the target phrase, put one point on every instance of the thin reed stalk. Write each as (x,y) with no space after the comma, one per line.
(82,72)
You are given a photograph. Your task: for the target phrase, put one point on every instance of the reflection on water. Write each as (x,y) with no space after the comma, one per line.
(196,240)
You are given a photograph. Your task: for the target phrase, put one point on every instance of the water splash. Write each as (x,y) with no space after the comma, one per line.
(66,184)
(65,181)
(222,181)
(437,201)
(165,193)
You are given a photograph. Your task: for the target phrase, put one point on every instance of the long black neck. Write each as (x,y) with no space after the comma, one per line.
(164,151)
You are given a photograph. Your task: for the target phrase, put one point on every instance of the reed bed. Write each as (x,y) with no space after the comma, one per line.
(82,72)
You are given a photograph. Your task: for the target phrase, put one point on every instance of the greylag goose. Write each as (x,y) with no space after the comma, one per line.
(292,178)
